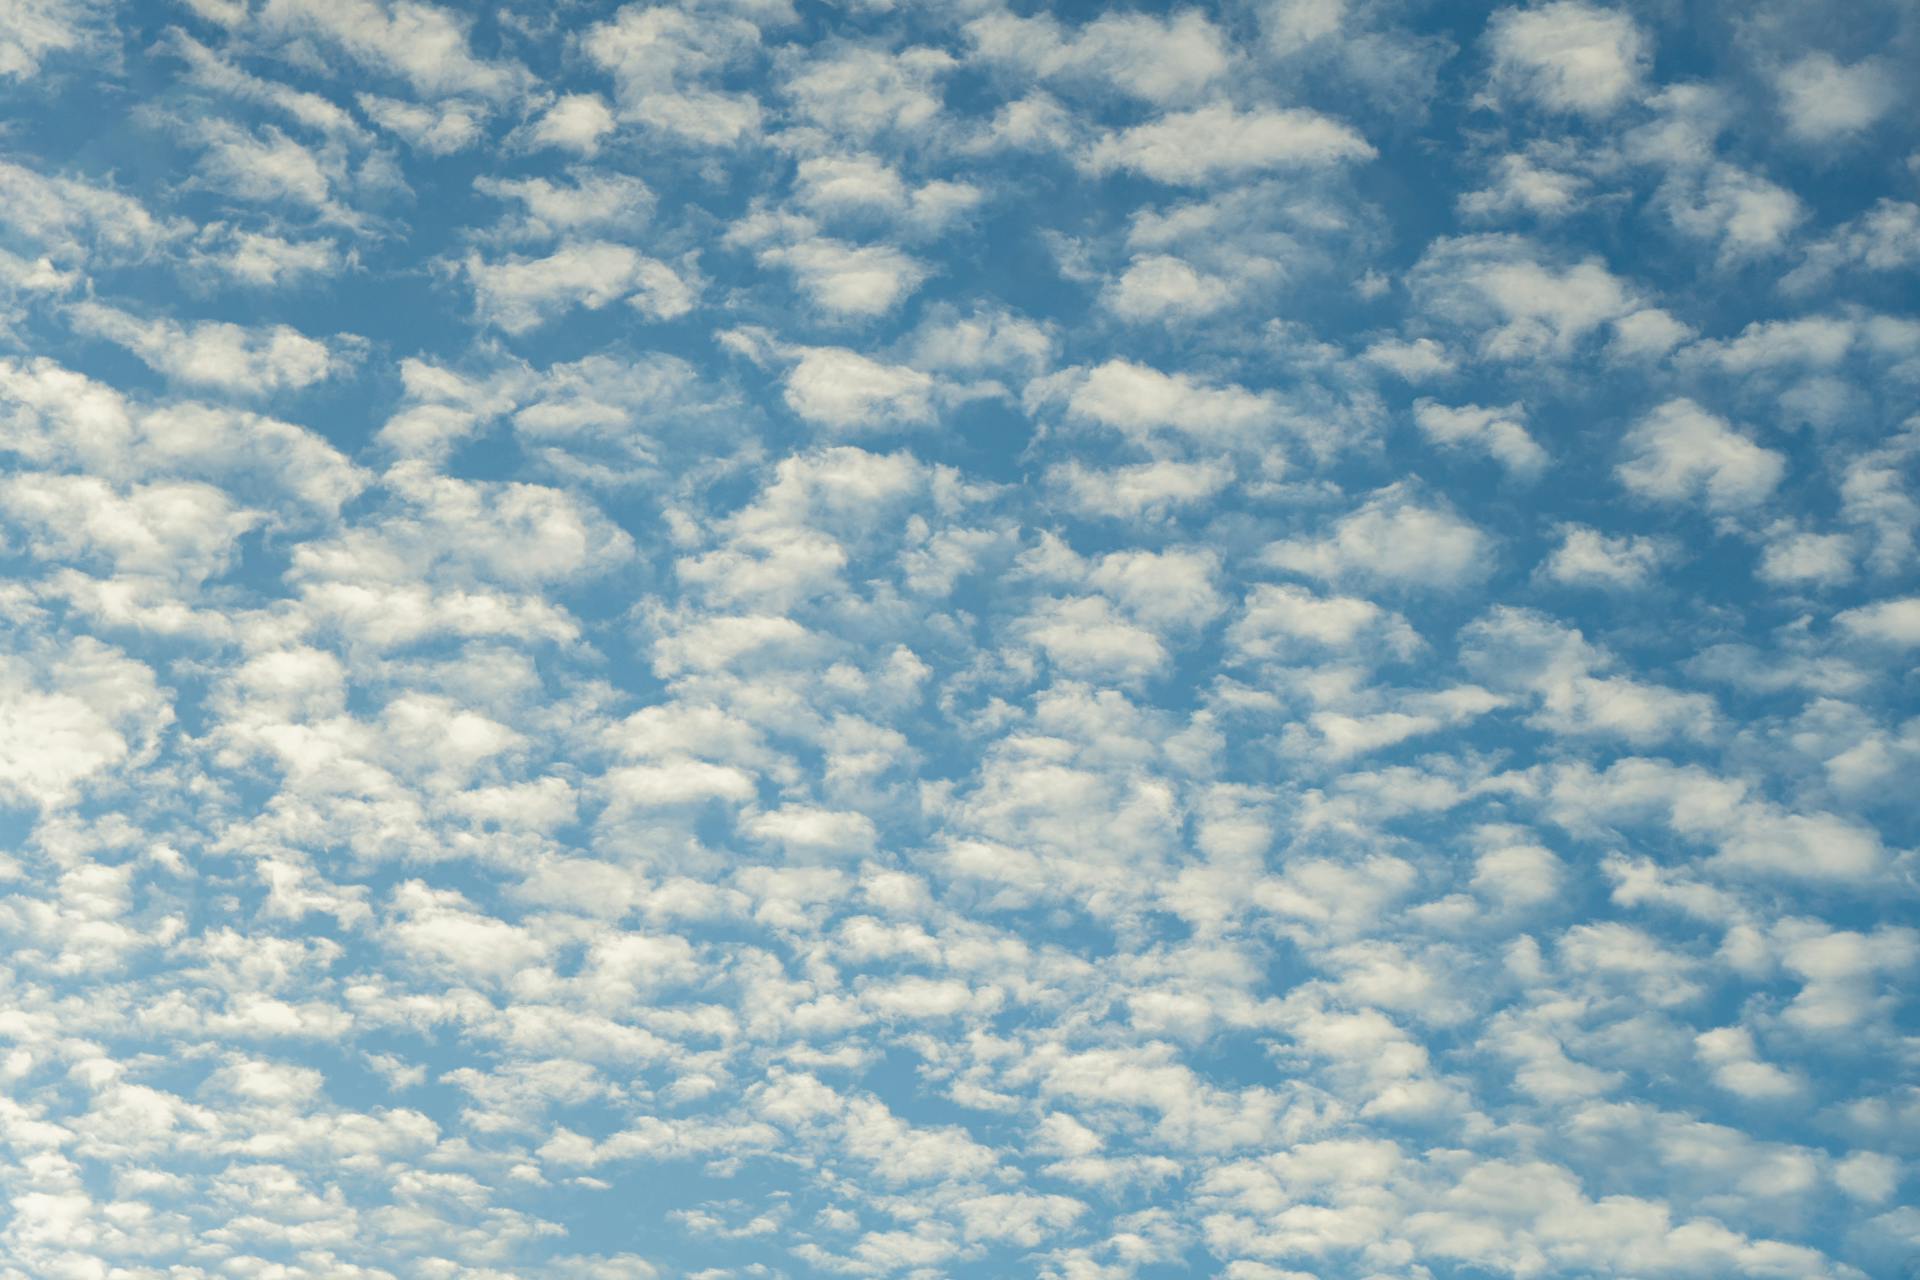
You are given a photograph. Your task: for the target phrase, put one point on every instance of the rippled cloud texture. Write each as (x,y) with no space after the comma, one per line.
(743,638)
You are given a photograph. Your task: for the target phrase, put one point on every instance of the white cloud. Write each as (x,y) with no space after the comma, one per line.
(1518,304)
(1278,621)
(1520,649)
(1138,401)
(1729,1054)
(1746,214)
(986,339)
(1522,185)
(1588,557)
(1799,558)
(517,294)
(1885,238)
(662,61)
(421,43)
(1647,334)
(181,530)
(969,671)
(805,829)
(1750,835)
(1085,636)
(842,279)
(262,259)
(1157,287)
(1214,142)
(846,391)
(1155,59)
(1145,490)
(34,30)
(1825,100)
(213,353)
(72,717)
(269,167)
(1415,361)
(1680,451)
(1868,1176)
(437,130)
(1894,622)
(849,280)
(72,217)
(1394,538)
(1569,56)
(863,91)
(576,122)
(588,201)
(1515,871)
(1500,433)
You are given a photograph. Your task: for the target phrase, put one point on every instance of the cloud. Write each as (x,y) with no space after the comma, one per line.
(1500,433)
(421,43)
(1278,620)
(1086,636)
(662,61)
(860,92)
(1751,836)
(1207,143)
(1138,401)
(268,166)
(846,391)
(73,716)
(1520,184)
(74,218)
(1569,56)
(1513,300)
(1680,451)
(1588,557)
(215,354)
(576,122)
(1263,642)
(849,280)
(1519,649)
(1147,489)
(1885,238)
(1159,287)
(1393,538)
(1893,622)
(439,130)
(1415,361)
(39,29)
(182,529)
(588,201)
(1744,212)
(1154,59)
(1824,100)
(517,293)
(1800,558)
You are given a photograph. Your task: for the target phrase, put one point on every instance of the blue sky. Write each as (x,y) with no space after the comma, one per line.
(703,640)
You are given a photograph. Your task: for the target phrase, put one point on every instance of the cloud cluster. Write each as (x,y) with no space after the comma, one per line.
(721,638)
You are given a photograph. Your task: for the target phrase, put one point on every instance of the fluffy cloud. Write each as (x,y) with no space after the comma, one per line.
(519,293)
(213,353)
(1138,401)
(1219,142)
(1393,537)
(1501,433)
(1680,451)
(1823,99)
(1569,56)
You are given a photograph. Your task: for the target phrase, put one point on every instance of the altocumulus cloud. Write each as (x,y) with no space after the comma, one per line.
(716,638)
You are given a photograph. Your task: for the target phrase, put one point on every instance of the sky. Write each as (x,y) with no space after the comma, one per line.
(758,638)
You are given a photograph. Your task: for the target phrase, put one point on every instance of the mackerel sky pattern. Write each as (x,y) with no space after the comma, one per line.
(759,638)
